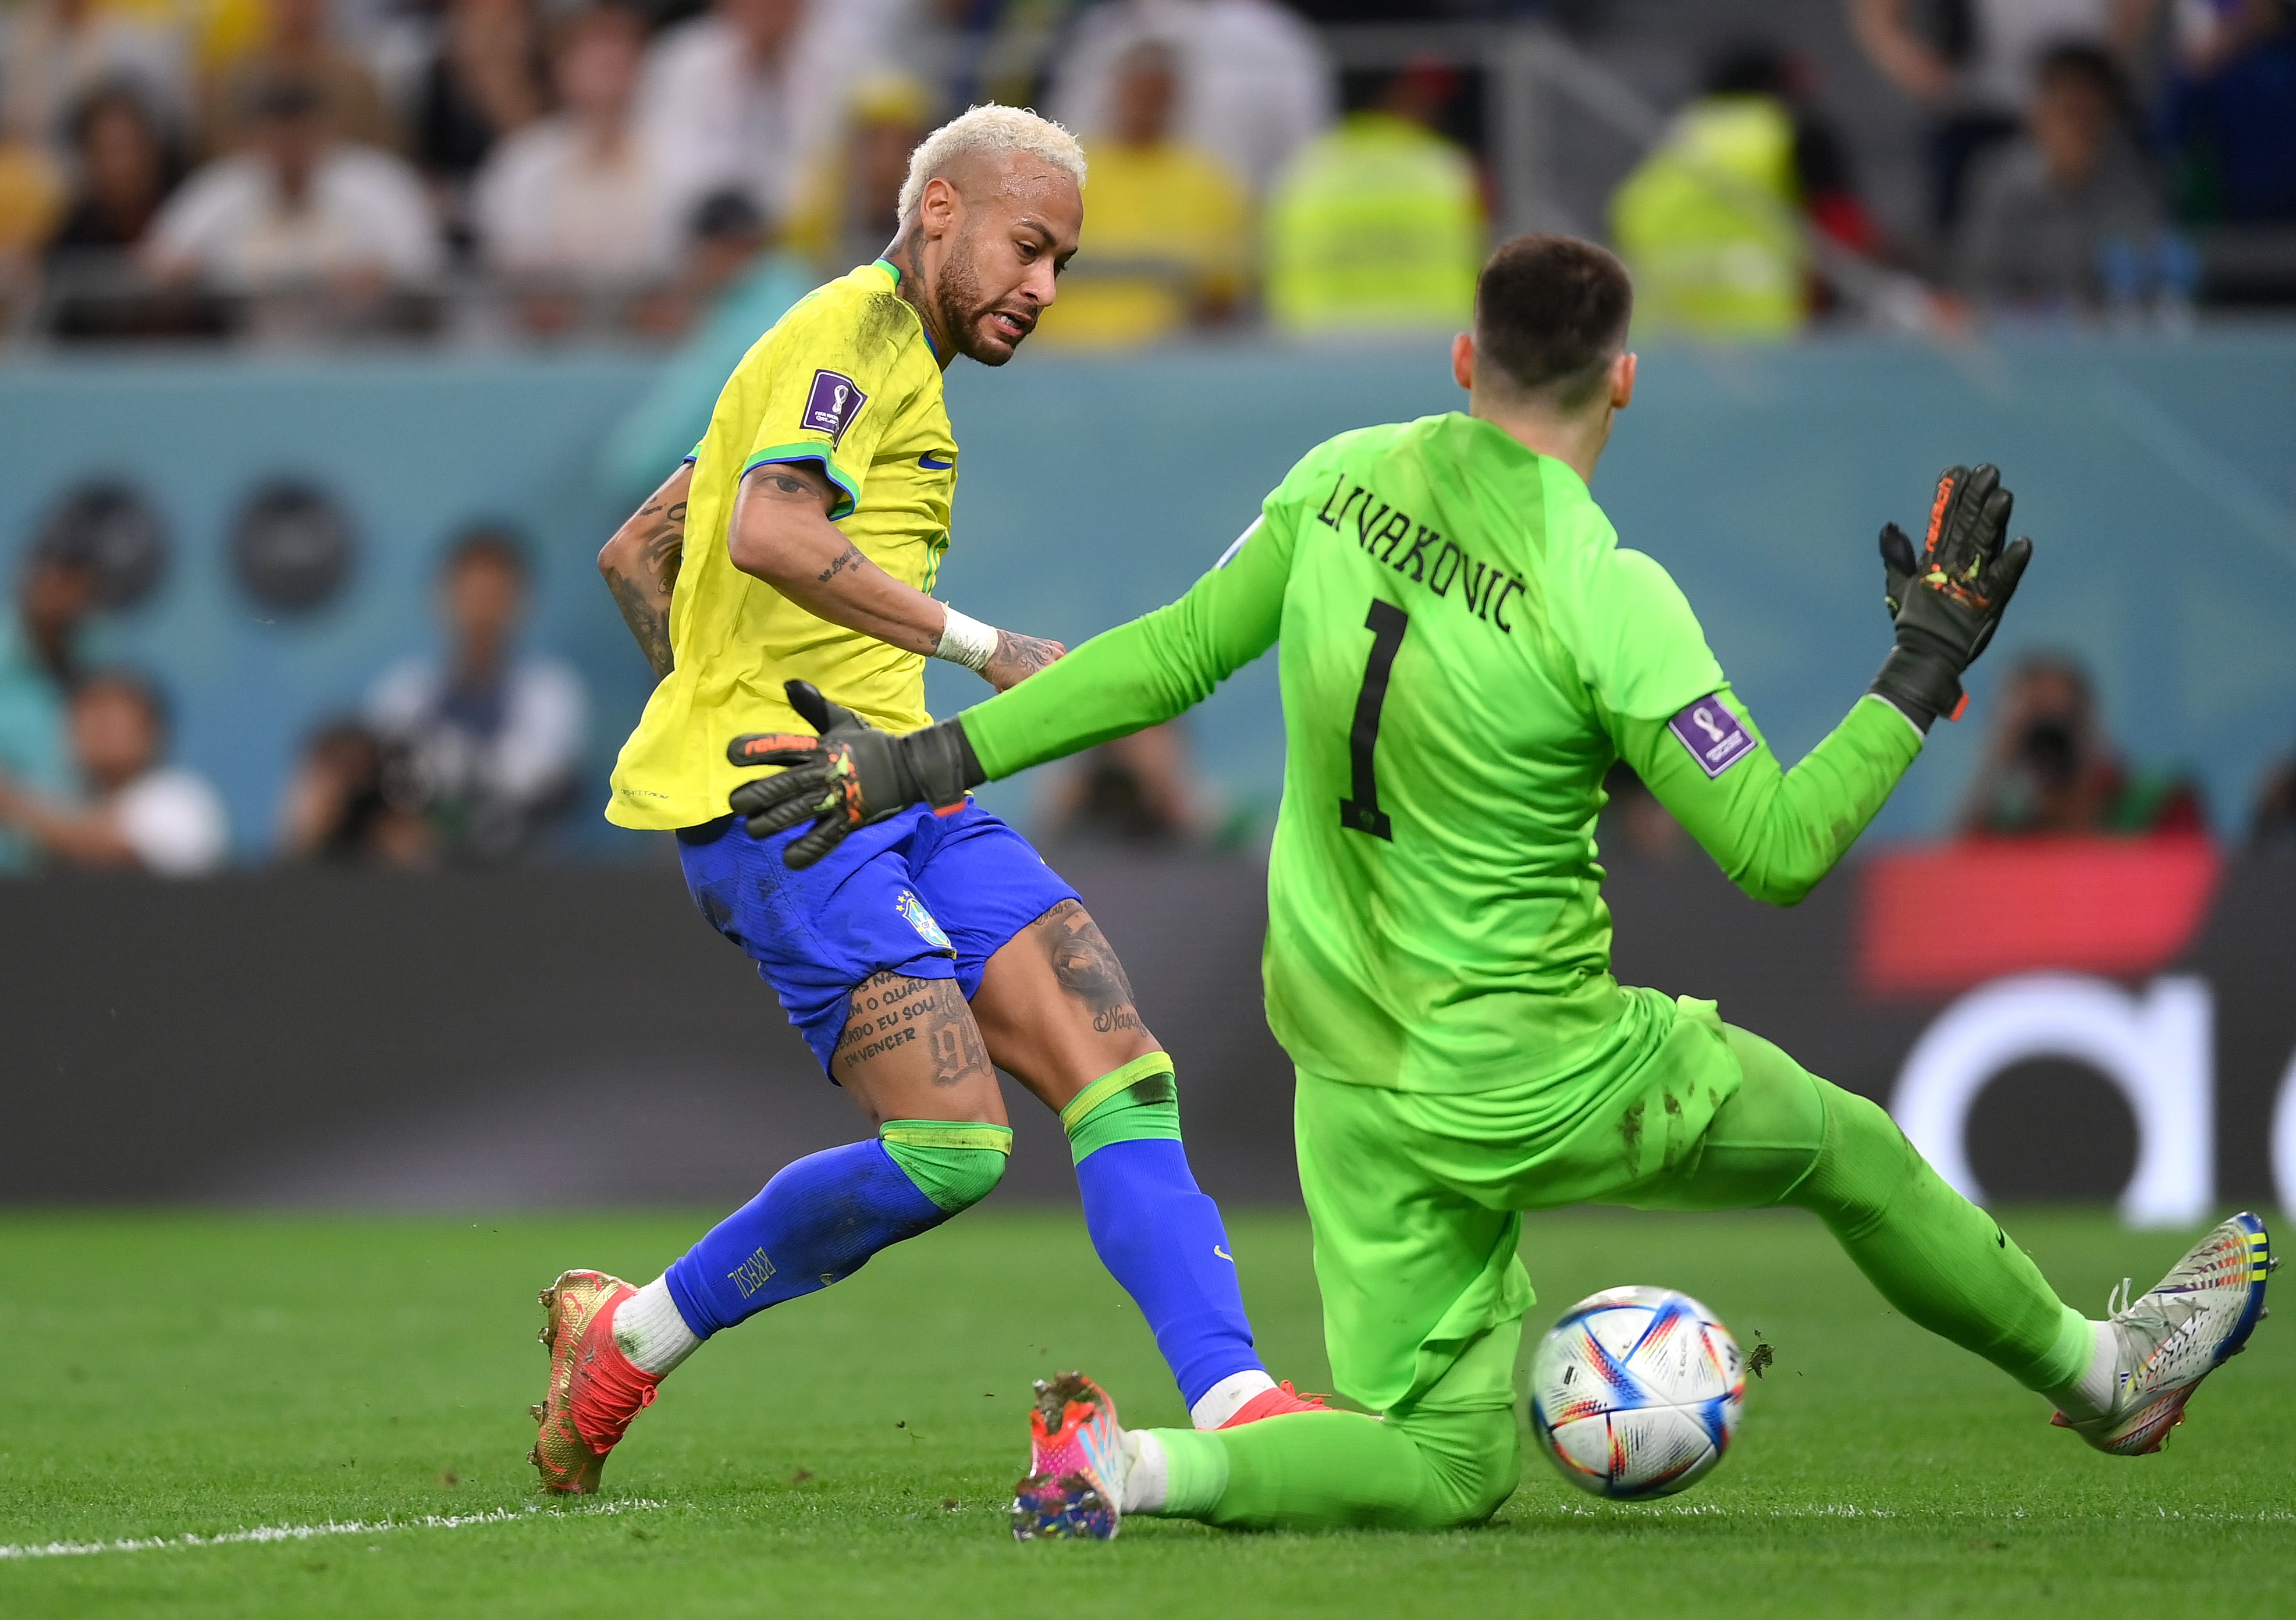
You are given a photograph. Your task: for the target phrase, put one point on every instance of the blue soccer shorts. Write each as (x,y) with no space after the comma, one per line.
(932,894)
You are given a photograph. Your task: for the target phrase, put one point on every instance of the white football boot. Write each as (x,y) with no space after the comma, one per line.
(2194,1321)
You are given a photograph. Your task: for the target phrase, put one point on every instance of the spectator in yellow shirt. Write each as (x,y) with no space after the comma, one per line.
(849,204)
(1166,232)
(1378,225)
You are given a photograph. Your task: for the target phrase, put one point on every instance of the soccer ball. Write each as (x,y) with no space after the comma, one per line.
(1635,1393)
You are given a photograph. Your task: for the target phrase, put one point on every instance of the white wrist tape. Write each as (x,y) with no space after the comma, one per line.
(966,641)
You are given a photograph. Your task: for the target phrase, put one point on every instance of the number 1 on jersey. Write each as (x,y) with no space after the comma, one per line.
(1360,811)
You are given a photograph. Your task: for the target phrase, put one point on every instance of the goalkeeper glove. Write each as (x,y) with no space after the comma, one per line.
(850,774)
(1947,600)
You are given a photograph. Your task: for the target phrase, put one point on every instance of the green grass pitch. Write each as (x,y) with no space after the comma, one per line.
(853,1453)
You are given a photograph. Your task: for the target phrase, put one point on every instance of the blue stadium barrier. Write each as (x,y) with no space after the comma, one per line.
(2153,472)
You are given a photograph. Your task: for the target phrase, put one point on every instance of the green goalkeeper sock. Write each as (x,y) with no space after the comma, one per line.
(1935,1255)
(1417,1470)
(1790,1137)
(1329,1470)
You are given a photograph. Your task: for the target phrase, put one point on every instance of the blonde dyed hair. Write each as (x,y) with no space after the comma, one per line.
(988,132)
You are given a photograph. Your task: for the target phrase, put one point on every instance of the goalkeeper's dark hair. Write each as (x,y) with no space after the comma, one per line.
(1551,315)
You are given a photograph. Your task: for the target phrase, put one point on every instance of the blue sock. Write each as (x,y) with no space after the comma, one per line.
(816,1222)
(1162,1239)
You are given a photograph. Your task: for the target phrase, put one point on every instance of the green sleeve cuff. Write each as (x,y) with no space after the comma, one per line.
(849,491)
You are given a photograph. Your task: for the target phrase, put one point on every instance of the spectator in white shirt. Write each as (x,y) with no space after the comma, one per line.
(492,741)
(748,95)
(139,812)
(1255,84)
(297,210)
(577,199)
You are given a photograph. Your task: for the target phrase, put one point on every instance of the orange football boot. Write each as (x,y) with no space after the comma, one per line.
(1074,1489)
(594,1389)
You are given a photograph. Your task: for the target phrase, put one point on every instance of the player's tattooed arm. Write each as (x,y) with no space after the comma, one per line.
(641,564)
(1086,966)
(781,533)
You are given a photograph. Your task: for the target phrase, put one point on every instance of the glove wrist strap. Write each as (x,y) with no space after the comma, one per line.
(1922,682)
(940,764)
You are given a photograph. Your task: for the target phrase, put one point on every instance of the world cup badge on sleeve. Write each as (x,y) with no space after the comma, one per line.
(832,405)
(1713,735)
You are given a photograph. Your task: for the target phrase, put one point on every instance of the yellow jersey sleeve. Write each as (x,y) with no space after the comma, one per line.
(833,385)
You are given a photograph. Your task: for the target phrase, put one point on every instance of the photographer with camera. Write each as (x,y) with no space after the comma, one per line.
(2050,767)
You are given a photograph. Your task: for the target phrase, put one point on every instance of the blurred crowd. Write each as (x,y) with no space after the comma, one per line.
(173,168)
(467,750)
(464,754)
(196,167)
(2075,154)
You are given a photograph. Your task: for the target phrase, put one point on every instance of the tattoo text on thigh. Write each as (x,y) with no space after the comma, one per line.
(891,1011)
(951,1040)
(1086,967)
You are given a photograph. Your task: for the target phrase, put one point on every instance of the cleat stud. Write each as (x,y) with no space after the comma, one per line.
(544,1336)
(535,1457)
(547,1298)
(534,1412)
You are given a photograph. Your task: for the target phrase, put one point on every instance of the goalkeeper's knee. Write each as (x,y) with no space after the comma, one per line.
(955,1163)
(1472,1460)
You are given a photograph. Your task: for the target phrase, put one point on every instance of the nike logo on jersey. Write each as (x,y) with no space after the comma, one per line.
(1223,1254)
(934,464)
(1380,530)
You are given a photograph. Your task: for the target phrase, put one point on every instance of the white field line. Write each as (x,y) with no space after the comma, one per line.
(1628,1510)
(1661,1509)
(304,1532)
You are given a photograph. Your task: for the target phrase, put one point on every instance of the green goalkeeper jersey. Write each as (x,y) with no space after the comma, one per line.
(1465,651)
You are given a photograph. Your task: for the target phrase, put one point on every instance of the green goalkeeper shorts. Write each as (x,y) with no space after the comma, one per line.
(1415,1195)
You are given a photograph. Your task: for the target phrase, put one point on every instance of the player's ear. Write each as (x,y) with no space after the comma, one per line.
(938,205)
(1463,360)
(1622,382)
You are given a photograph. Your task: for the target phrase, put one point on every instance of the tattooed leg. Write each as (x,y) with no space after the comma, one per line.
(911,1051)
(1058,1011)
(912,1059)
(909,1054)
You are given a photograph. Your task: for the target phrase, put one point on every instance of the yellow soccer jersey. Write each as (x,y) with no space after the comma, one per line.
(848,380)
